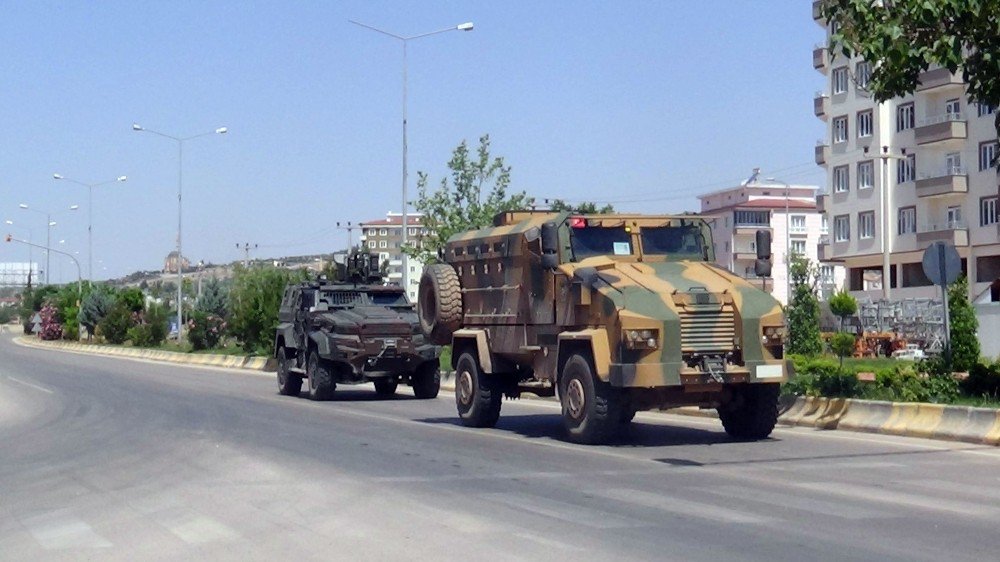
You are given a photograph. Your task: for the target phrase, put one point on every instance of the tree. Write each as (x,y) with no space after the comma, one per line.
(842,345)
(214,298)
(803,310)
(964,325)
(902,38)
(95,307)
(253,305)
(842,304)
(476,192)
(584,208)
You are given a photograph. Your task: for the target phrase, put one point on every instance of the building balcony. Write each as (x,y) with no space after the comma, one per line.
(955,233)
(947,127)
(821,105)
(950,181)
(939,78)
(818,12)
(822,153)
(821,202)
(819,58)
(748,228)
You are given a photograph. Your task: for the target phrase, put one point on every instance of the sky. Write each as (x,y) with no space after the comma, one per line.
(640,104)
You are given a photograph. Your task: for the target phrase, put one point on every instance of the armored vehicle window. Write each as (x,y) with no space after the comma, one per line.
(341,298)
(388,299)
(599,241)
(683,242)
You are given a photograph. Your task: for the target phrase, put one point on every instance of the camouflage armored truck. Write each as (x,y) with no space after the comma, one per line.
(612,313)
(352,332)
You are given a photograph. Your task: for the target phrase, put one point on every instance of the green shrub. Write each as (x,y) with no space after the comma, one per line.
(151,329)
(842,345)
(205,330)
(115,325)
(983,381)
(254,300)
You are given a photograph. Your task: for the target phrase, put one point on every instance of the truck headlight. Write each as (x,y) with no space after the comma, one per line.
(773,334)
(641,339)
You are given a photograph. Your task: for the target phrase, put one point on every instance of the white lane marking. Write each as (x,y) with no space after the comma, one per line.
(194,528)
(28,384)
(548,542)
(894,497)
(61,530)
(571,513)
(683,508)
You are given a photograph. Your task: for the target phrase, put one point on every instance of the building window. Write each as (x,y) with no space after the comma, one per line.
(383,256)
(863,74)
(987,211)
(866,174)
(841,179)
(826,275)
(798,223)
(905,168)
(383,232)
(840,80)
(865,125)
(371,243)
(825,225)
(953,109)
(955,217)
(907,220)
(413,232)
(752,218)
(987,153)
(841,228)
(372,232)
(866,224)
(905,117)
(383,244)
(798,247)
(840,129)
(985,109)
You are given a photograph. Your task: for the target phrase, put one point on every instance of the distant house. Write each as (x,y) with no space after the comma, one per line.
(171,262)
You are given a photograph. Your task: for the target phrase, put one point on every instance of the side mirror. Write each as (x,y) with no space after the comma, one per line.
(762,267)
(550,245)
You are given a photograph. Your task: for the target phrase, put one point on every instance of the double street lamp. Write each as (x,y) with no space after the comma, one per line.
(90,216)
(467,26)
(49,223)
(180,184)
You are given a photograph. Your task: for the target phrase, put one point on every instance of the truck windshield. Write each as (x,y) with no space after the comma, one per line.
(599,241)
(388,299)
(684,242)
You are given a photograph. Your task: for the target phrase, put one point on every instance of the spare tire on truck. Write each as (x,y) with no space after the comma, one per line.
(439,303)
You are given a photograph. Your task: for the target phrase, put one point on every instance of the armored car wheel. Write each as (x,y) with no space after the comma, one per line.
(426,380)
(476,394)
(591,408)
(386,387)
(753,411)
(321,383)
(439,306)
(289,384)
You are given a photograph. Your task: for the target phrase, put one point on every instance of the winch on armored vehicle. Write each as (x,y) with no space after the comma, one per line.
(351,332)
(612,313)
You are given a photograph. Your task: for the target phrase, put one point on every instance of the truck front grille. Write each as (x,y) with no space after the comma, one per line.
(707,330)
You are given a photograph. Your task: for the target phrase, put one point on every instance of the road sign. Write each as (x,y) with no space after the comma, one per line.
(36,319)
(941,263)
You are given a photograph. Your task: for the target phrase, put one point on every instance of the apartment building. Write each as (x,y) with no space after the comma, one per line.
(903,174)
(385,237)
(787,211)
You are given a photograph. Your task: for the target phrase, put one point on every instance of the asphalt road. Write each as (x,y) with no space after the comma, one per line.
(112,459)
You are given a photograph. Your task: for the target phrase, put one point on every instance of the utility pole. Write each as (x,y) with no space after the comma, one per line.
(348,227)
(246,247)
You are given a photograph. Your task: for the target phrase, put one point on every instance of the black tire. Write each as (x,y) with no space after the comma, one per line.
(426,381)
(439,303)
(321,383)
(753,411)
(289,384)
(386,386)
(477,395)
(591,408)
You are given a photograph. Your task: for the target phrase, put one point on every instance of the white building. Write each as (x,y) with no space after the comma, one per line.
(903,174)
(385,237)
(789,213)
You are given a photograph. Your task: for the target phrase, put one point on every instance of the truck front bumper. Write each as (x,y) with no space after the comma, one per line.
(652,375)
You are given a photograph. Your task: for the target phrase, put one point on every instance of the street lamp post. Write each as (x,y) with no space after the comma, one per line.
(788,242)
(49,223)
(180,185)
(90,216)
(467,26)
(885,202)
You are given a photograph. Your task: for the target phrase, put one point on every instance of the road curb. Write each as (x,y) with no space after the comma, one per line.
(203,359)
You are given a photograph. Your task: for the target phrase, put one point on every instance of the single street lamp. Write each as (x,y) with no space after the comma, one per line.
(885,202)
(49,223)
(467,26)
(90,215)
(180,185)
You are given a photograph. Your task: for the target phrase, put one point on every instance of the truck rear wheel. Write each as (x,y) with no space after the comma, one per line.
(289,384)
(591,408)
(426,380)
(439,306)
(477,395)
(753,411)
(321,383)
(386,386)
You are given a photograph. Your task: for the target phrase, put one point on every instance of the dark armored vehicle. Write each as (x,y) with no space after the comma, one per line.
(351,332)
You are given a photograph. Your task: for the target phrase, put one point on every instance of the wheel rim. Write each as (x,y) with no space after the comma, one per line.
(465,387)
(575,398)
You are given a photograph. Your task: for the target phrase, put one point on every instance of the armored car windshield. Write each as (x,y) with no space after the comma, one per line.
(678,242)
(590,241)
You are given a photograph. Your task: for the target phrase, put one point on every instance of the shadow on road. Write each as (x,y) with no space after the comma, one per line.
(360,395)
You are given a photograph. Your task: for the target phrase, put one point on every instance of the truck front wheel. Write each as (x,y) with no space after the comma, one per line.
(386,386)
(289,384)
(752,412)
(321,383)
(426,380)
(477,395)
(591,408)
